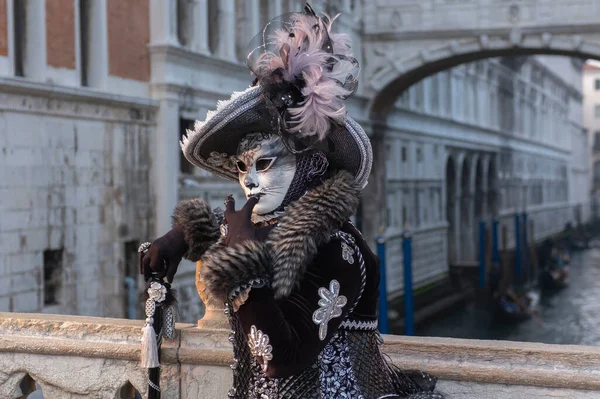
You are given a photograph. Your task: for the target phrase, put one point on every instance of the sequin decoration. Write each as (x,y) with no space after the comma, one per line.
(347,253)
(259,346)
(330,307)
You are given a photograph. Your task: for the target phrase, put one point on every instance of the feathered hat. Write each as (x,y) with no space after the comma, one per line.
(304,72)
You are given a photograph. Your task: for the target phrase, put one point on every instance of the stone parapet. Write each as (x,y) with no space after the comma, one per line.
(84,357)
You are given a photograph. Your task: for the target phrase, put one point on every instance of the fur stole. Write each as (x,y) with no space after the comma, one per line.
(282,260)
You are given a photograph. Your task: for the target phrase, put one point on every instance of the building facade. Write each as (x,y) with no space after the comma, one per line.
(493,138)
(591,115)
(96,94)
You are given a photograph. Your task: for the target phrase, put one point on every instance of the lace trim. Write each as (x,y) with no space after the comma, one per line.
(254,283)
(354,325)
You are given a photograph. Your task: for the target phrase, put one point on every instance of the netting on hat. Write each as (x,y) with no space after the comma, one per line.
(310,171)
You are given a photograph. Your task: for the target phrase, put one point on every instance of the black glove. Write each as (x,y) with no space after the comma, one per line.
(239,223)
(164,255)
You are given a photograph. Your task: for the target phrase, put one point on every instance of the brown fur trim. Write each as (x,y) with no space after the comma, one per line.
(308,224)
(200,228)
(225,269)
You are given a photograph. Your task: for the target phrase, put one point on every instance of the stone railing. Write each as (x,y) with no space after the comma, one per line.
(82,357)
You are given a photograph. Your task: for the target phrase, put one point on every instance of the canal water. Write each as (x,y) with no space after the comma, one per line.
(569,316)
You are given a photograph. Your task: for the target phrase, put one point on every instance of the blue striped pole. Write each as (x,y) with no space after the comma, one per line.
(383,305)
(482,253)
(518,248)
(495,246)
(526,248)
(409,317)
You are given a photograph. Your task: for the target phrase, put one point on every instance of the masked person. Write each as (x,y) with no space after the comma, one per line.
(299,283)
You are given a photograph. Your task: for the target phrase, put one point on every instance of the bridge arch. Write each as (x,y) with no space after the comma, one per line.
(394,73)
(390,79)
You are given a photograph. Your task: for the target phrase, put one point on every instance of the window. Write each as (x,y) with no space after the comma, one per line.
(19,25)
(130,299)
(597,141)
(597,84)
(53,267)
(388,216)
(419,155)
(184,166)
(132,259)
(597,111)
(84,39)
(403,154)
(183,22)
(597,173)
(213,26)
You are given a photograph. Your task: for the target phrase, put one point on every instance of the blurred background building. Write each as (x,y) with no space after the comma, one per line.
(95,95)
(591,115)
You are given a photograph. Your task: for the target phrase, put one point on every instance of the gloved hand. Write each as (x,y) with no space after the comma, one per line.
(163,257)
(239,223)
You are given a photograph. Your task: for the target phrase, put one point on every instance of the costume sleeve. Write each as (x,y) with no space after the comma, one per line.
(299,326)
(199,224)
(230,270)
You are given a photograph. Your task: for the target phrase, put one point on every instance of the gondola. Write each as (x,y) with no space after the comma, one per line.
(555,275)
(554,279)
(512,307)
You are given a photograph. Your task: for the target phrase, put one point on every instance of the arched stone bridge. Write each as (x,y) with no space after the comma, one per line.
(406,41)
(409,40)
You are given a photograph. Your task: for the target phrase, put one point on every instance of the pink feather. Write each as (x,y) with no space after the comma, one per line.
(322,91)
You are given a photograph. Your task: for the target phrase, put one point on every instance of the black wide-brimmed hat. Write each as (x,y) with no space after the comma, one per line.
(303,75)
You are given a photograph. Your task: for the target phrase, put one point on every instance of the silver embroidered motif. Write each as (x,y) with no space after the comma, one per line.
(144,247)
(347,253)
(330,307)
(157,292)
(259,346)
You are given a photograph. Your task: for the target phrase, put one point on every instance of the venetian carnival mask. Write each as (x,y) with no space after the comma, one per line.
(265,168)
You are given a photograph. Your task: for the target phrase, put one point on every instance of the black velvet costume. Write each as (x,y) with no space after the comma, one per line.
(313,292)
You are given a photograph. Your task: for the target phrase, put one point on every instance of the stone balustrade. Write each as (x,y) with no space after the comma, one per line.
(73,357)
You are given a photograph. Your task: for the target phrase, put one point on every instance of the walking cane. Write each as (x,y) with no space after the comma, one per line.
(160,322)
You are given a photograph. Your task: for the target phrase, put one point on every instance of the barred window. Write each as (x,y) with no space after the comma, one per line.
(53,271)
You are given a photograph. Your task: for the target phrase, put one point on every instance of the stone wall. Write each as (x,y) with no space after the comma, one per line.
(72,357)
(75,197)
(547,221)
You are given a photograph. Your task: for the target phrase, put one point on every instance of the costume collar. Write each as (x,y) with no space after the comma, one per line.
(306,225)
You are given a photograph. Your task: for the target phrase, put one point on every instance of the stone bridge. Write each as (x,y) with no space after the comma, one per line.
(409,40)
(406,41)
(72,357)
